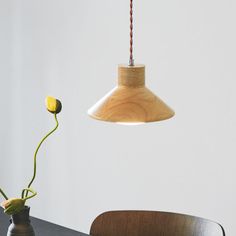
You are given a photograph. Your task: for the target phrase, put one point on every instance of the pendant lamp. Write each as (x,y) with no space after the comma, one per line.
(131,102)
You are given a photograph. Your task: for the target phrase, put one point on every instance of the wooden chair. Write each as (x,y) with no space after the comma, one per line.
(153,223)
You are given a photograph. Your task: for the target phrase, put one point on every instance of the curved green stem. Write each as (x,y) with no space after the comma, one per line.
(37,149)
(3,194)
(28,190)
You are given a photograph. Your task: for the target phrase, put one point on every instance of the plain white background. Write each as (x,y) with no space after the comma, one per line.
(70,49)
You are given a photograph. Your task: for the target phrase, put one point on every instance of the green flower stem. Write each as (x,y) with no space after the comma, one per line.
(36,152)
(28,190)
(3,194)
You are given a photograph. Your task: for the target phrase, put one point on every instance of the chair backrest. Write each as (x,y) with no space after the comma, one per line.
(153,223)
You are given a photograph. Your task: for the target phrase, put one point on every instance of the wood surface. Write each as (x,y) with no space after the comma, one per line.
(131,101)
(153,223)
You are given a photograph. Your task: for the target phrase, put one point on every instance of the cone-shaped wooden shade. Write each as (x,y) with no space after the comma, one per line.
(131,101)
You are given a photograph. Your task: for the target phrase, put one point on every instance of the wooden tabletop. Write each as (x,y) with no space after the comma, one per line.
(41,227)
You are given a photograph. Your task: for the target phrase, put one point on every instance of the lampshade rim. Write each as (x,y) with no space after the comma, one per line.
(134,121)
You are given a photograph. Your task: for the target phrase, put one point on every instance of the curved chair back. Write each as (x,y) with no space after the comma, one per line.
(153,223)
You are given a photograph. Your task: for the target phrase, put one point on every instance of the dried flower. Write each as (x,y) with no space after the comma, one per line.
(13,205)
(53,105)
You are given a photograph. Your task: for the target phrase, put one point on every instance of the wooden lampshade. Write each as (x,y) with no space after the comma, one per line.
(131,101)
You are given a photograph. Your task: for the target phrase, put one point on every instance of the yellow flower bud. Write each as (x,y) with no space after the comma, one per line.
(53,105)
(13,205)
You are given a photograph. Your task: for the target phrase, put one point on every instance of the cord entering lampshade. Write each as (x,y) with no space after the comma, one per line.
(131,102)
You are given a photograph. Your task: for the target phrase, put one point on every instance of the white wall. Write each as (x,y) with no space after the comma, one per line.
(70,49)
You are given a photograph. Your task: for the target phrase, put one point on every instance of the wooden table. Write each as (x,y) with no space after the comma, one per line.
(41,227)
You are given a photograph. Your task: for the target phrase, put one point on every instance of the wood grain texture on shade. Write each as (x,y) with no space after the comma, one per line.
(153,223)
(131,101)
